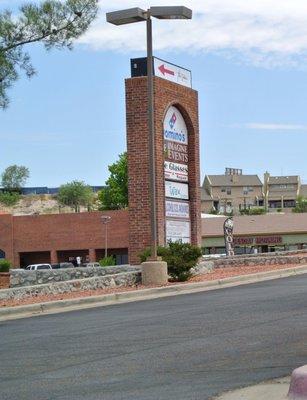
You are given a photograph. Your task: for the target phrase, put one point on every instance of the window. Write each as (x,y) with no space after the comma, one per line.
(223,189)
(247,190)
(228,190)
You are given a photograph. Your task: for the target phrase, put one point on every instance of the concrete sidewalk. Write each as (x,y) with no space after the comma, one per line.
(271,390)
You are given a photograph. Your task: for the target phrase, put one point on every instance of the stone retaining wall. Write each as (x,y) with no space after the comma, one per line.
(20,277)
(98,282)
(260,260)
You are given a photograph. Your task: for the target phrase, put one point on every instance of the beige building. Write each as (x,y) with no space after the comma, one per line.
(281,192)
(231,192)
(234,191)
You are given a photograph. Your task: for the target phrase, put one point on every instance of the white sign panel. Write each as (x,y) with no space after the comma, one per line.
(176,172)
(172,73)
(177,190)
(175,209)
(175,129)
(178,231)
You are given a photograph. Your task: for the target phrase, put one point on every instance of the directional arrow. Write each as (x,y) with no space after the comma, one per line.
(164,70)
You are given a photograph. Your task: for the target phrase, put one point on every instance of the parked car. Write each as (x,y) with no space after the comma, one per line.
(62,265)
(36,267)
(91,264)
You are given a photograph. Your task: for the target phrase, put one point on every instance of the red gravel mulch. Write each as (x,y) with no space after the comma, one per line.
(218,273)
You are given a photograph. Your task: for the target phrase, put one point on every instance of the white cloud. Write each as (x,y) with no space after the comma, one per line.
(262,32)
(271,126)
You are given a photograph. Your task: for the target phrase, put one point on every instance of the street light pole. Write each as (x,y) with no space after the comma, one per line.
(105,220)
(129,16)
(151,139)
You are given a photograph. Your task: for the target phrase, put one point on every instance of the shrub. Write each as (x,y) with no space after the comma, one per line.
(252,211)
(107,261)
(180,258)
(5,265)
(9,198)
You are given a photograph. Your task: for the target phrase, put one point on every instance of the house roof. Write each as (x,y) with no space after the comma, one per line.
(269,224)
(234,180)
(282,180)
(205,195)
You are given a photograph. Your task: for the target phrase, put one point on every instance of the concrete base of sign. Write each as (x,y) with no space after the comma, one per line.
(154,273)
(298,385)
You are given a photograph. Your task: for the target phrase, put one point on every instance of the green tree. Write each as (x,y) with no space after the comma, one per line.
(54,23)
(115,195)
(301,205)
(14,177)
(75,194)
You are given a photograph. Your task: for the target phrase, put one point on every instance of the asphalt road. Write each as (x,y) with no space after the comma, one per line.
(183,347)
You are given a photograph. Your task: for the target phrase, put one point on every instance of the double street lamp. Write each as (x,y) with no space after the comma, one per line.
(133,15)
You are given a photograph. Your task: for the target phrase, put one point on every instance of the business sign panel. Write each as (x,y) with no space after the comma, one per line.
(228,235)
(174,126)
(176,172)
(177,190)
(172,73)
(178,231)
(176,209)
(176,152)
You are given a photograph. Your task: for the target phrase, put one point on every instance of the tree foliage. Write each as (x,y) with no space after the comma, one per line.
(14,177)
(54,23)
(75,194)
(301,205)
(115,195)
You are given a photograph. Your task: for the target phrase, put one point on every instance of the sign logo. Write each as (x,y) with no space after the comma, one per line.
(173,121)
(176,172)
(173,73)
(176,209)
(177,190)
(174,126)
(228,235)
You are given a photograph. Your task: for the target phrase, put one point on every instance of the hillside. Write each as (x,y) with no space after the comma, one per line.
(37,204)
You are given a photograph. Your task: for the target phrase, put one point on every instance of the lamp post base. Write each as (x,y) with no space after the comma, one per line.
(154,273)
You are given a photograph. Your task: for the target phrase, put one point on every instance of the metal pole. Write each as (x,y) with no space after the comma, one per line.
(106,244)
(151,129)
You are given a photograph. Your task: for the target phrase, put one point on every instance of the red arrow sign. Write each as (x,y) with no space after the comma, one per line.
(164,70)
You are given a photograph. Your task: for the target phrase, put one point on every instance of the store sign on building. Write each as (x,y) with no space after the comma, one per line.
(176,172)
(172,72)
(176,209)
(178,231)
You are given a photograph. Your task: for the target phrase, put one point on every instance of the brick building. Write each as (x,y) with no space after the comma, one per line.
(56,238)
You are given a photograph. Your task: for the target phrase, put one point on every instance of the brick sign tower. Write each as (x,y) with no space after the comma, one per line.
(176,159)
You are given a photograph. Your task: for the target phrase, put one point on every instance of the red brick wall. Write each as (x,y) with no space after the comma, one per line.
(55,232)
(166,94)
(6,235)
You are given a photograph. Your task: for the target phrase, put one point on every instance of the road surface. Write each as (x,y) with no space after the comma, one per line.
(184,347)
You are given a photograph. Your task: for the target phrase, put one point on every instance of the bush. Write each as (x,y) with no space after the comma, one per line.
(180,258)
(107,261)
(252,211)
(5,265)
(9,198)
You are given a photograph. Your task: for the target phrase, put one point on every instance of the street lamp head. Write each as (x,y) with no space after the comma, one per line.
(105,219)
(128,16)
(171,12)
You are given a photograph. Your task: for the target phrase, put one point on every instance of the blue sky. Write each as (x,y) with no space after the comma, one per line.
(248,64)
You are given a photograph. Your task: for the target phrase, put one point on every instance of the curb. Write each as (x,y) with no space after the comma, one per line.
(59,306)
